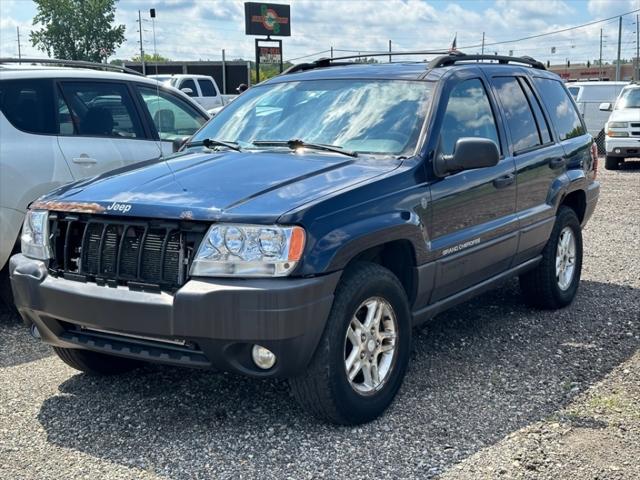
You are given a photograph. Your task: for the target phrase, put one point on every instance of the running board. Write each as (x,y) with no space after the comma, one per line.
(430,311)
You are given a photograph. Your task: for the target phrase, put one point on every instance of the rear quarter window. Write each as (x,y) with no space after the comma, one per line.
(560,107)
(29,105)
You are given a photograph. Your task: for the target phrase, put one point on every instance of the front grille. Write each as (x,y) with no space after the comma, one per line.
(635,125)
(143,254)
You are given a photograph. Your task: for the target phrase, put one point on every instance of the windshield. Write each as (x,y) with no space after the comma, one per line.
(365,116)
(629,98)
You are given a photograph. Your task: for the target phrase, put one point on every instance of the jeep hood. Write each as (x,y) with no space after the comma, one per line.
(236,186)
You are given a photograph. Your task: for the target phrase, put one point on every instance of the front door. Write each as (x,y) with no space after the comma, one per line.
(474,224)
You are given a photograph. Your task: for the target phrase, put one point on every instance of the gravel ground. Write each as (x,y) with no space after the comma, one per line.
(494,390)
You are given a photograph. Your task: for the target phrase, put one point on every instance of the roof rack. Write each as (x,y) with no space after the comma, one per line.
(70,63)
(339,61)
(451,59)
(445,59)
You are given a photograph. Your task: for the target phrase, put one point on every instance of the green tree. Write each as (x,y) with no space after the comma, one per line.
(156,57)
(77,29)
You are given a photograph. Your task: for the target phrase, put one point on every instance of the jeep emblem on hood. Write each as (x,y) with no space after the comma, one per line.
(119,207)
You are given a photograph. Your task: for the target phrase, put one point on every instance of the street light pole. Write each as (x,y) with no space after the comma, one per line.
(619,47)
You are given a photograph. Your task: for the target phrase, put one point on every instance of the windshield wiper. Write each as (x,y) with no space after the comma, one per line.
(294,144)
(212,142)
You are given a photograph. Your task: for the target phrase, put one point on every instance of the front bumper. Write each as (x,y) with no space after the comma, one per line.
(622,147)
(208,323)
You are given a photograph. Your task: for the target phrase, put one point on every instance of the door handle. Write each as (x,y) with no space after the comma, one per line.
(84,159)
(504,181)
(556,163)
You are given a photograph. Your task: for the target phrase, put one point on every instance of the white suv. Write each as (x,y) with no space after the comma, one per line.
(623,127)
(62,124)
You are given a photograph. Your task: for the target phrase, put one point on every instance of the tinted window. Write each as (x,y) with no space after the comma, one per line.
(543,126)
(518,114)
(188,83)
(102,109)
(468,114)
(172,117)
(28,105)
(560,108)
(207,88)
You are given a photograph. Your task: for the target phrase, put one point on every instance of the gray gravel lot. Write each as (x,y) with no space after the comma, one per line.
(484,378)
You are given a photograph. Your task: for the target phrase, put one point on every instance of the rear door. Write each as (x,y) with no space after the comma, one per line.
(539,160)
(474,223)
(100,127)
(210,97)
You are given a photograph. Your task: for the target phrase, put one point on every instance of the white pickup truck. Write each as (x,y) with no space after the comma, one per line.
(201,88)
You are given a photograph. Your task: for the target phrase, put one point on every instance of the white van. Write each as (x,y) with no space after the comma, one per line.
(589,96)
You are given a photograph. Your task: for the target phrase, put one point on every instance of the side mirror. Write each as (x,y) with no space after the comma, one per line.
(469,153)
(188,91)
(605,107)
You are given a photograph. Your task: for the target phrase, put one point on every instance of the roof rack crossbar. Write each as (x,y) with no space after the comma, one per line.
(447,60)
(339,61)
(70,63)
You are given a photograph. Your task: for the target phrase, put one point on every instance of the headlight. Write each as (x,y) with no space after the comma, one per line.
(34,241)
(611,133)
(232,250)
(618,125)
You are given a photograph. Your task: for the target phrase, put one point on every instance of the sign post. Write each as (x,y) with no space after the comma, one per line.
(271,20)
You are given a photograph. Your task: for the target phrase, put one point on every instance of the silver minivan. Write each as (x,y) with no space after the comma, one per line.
(589,96)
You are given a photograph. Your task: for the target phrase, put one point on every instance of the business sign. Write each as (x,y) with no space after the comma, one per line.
(270,55)
(267,19)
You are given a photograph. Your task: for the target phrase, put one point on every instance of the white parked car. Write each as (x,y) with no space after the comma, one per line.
(589,96)
(59,124)
(201,88)
(622,140)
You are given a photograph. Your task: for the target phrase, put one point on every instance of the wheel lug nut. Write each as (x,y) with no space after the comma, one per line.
(363,337)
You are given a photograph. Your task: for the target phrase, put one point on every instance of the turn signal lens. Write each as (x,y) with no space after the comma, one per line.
(296,245)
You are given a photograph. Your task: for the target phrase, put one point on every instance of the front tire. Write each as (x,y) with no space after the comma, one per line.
(554,282)
(362,356)
(612,163)
(95,363)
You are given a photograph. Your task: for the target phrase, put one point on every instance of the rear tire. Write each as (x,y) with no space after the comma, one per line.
(543,287)
(325,390)
(95,363)
(612,163)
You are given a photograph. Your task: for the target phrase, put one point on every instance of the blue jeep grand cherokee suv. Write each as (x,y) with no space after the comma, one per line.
(313,222)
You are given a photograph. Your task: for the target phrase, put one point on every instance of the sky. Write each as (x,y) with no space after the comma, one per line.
(200,29)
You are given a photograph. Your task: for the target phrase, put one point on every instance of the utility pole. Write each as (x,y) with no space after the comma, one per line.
(144,70)
(389,51)
(332,52)
(19,47)
(600,58)
(619,47)
(224,73)
(637,72)
(482,44)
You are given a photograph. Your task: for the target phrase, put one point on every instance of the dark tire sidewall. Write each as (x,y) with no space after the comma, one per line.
(352,405)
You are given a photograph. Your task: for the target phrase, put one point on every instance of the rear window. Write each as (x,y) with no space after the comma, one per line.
(560,107)
(28,105)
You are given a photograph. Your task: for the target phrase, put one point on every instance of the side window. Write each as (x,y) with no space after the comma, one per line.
(522,124)
(173,117)
(101,109)
(188,83)
(468,114)
(207,88)
(560,107)
(543,126)
(28,105)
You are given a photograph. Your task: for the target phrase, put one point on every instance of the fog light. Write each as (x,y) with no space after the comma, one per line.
(617,150)
(263,357)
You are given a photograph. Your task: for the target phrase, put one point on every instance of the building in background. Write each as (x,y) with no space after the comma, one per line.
(593,72)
